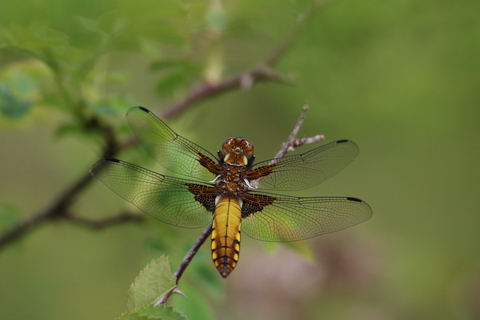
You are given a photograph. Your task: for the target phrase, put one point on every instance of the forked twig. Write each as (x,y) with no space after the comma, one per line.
(288,146)
(292,141)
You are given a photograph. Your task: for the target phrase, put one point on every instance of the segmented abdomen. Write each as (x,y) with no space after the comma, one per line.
(226,235)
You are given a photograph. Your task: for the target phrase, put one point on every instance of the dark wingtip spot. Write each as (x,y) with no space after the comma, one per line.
(144,109)
(354,199)
(342,141)
(112,160)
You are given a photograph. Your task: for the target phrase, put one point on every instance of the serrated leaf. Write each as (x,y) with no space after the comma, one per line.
(153,282)
(161,312)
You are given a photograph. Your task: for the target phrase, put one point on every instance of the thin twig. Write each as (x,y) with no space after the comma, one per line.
(292,141)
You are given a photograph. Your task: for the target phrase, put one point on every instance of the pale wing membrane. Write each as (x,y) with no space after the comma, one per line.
(165,198)
(294,218)
(308,169)
(171,150)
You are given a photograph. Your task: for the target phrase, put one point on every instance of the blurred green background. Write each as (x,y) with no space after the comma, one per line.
(400,78)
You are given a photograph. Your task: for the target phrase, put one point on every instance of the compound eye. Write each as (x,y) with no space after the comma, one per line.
(247,148)
(228,145)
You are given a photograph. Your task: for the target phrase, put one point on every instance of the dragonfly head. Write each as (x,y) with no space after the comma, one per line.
(237,150)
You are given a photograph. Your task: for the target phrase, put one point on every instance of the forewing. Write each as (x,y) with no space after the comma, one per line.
(171,150)
(274,217)
(305,170)
(179,202)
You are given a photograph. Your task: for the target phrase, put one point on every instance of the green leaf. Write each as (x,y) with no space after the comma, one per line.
(153,282)
(133,316)
(153,313)
(161,312)
(11,106)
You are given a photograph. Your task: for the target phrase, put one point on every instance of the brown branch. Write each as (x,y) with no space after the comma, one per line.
(61,204)
(57,208)
(288,146)
(206,90)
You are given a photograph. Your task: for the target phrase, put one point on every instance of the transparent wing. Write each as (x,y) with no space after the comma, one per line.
(171,150)
(308,169)
(274,217)
(179,202)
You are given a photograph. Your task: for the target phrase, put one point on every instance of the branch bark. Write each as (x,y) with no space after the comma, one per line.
(59,206)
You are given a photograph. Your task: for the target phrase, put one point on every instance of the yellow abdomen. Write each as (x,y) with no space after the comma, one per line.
(226,235)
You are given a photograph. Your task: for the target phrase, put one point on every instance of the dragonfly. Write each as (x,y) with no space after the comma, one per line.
(230,190)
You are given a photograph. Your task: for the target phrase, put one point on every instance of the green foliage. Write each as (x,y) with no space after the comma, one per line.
(400,75)
(10,105)
(153,313)
(74,52)
(153,282)
(19,88)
